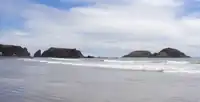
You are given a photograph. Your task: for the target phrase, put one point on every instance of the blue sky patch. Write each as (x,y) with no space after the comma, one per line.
(61,5)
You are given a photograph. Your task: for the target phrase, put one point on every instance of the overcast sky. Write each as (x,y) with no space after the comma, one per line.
(102,27)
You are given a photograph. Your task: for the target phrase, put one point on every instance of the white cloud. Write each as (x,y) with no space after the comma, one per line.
(109,29)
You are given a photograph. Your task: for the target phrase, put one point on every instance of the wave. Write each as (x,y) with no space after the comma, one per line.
(153,61)
(130,62)
(184,71)
(177,62)
(126,61)
(134,67)
(117,61)
(65,59)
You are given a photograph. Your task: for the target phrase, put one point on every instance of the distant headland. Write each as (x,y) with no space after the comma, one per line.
(18,51)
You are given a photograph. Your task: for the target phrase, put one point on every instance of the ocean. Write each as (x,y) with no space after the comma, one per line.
(100,80)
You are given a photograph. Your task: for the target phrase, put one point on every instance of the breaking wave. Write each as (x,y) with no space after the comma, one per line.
(146,65)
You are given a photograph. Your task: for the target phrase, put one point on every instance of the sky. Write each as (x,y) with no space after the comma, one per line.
(102,27)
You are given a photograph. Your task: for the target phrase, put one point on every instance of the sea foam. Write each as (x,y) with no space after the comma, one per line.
(149,66)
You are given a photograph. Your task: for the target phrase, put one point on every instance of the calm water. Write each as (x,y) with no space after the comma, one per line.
(98,80)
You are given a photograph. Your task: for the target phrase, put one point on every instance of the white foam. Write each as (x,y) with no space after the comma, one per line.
(152,67)
(115,66)
(117,61)
(127,62)
(65,59)
(183,71)
(177,62)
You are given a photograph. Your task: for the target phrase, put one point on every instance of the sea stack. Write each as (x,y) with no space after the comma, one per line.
(62,53)
(171,53)
(139,54)
(38,53)
(164,53)
(12,50)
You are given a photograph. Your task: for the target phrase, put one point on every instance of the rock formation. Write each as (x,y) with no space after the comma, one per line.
(89,56)
(62,53)
(171,52)
(139,54)
(12,50)
(166,53)
(38,53)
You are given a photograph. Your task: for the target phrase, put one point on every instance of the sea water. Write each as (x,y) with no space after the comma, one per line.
(99,80)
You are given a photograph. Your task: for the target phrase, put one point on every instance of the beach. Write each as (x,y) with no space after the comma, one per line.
(91,80)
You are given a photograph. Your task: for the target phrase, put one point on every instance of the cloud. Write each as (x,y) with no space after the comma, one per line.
(109,28)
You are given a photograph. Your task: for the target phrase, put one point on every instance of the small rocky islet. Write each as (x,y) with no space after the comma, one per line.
(18,51)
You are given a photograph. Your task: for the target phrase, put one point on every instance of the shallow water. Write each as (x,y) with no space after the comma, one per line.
(95,80)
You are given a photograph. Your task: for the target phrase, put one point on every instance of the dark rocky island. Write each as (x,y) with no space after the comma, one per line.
(12,50)
(164,53)
(62,53)
(139,54)
(38,53)
(170,52)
